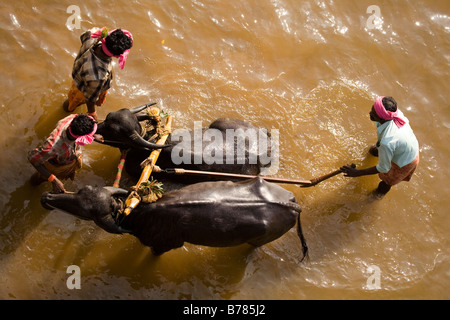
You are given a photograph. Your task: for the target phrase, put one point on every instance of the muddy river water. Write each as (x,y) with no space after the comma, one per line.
(309,69)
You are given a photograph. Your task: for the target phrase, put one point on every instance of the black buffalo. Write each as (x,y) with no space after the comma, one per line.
(123,129)
(218,214)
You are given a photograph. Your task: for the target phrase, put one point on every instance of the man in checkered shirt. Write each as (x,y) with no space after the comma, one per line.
(92,69)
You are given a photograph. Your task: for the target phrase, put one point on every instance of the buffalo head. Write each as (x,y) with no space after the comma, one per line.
(122,129)
(89,203)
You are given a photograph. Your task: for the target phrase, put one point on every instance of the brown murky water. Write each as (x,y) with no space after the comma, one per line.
(309,69)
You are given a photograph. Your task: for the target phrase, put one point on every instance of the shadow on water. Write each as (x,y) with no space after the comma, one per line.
(190,272)
(109,263)
(338,219)
(22,211)
(126,269)
(20,215)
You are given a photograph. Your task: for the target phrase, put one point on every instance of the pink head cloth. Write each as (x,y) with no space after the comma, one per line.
(397,116)
(123,57)
(87,138)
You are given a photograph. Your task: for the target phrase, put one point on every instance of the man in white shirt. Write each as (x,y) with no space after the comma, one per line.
(397,147)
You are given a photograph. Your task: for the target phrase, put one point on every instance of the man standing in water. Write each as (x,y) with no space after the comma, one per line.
(397,147)
(60,156)
(92,69)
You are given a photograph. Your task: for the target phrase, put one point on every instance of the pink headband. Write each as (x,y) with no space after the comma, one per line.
(384,114)
(87,138)
(123,56)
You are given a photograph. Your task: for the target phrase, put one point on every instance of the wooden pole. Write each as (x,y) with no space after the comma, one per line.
(134,199)
(317,180)
(303,183)
(325,177)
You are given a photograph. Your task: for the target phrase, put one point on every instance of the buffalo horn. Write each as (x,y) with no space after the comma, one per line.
(117,191)
(140,108)
(108,224)
(142,143)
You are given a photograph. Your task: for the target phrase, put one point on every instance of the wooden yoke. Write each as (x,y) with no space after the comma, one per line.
(134,198)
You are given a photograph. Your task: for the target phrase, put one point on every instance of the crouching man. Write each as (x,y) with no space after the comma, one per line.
(59,157)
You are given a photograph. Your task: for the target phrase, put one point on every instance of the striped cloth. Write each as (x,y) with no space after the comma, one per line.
(58,149)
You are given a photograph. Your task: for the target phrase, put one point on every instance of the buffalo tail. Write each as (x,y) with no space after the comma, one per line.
(302,239)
